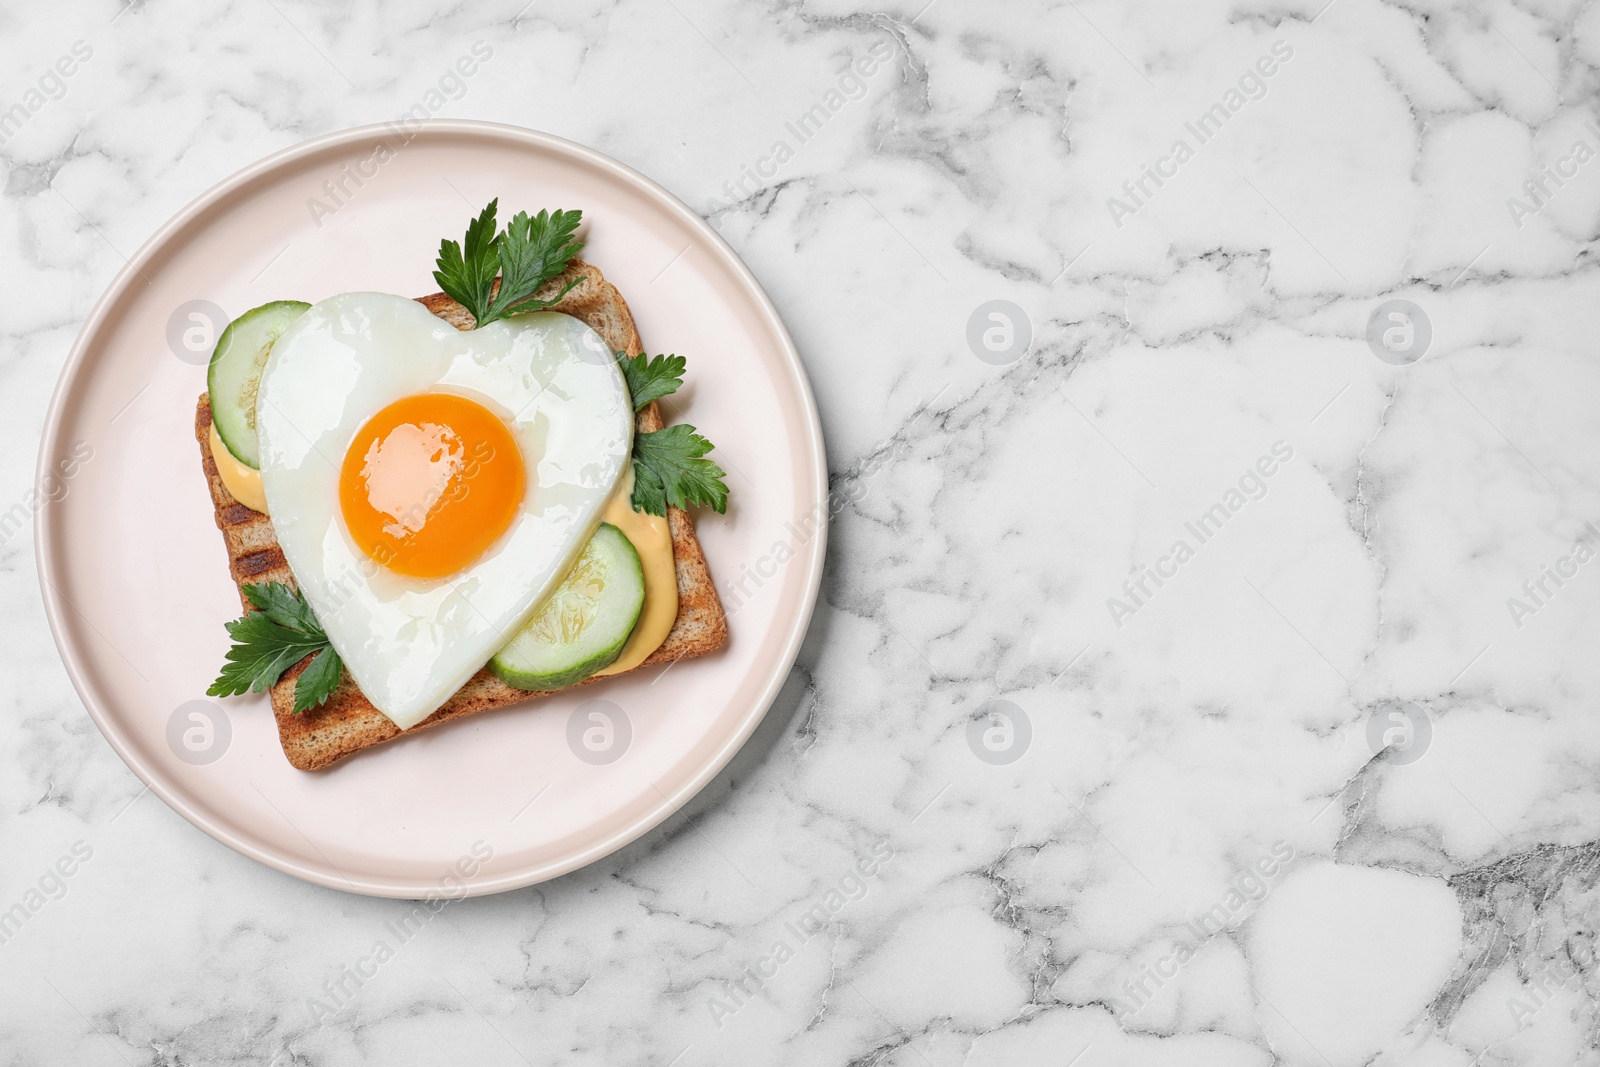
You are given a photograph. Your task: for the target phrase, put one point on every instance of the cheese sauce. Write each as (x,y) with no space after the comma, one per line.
(242,482)
(652,539)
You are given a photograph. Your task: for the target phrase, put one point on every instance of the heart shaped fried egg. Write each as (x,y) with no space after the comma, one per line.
(431,487)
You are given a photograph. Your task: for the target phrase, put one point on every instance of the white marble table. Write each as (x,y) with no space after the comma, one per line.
(1171,507)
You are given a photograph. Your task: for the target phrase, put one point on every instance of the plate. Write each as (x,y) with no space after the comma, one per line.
(502,799)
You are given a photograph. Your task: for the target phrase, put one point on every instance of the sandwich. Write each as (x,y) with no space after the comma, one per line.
(437,506)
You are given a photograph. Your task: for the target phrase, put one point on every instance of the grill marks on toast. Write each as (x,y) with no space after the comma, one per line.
(253,552)
(348,723)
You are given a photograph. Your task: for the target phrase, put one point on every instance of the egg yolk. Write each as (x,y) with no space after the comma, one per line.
(429,483)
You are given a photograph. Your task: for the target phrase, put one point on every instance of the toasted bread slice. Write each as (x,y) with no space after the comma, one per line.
(348,723)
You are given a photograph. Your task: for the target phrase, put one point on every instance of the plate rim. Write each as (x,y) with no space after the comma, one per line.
(49,565)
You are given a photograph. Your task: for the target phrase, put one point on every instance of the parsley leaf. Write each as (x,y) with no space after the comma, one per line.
(529,252)
(667,470)
(281,632)
(468,277)
(318,681)
(287,609)
(262,651)
(651,379)
(532,251)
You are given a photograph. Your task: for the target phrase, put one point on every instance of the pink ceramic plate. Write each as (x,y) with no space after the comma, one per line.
(499,800)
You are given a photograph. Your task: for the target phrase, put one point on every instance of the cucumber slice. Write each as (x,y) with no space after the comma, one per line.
(586,621)
(235,374)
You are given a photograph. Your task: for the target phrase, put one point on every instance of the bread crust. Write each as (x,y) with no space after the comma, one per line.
(348,723)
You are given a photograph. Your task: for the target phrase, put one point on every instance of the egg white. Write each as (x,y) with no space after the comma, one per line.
(410,643)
